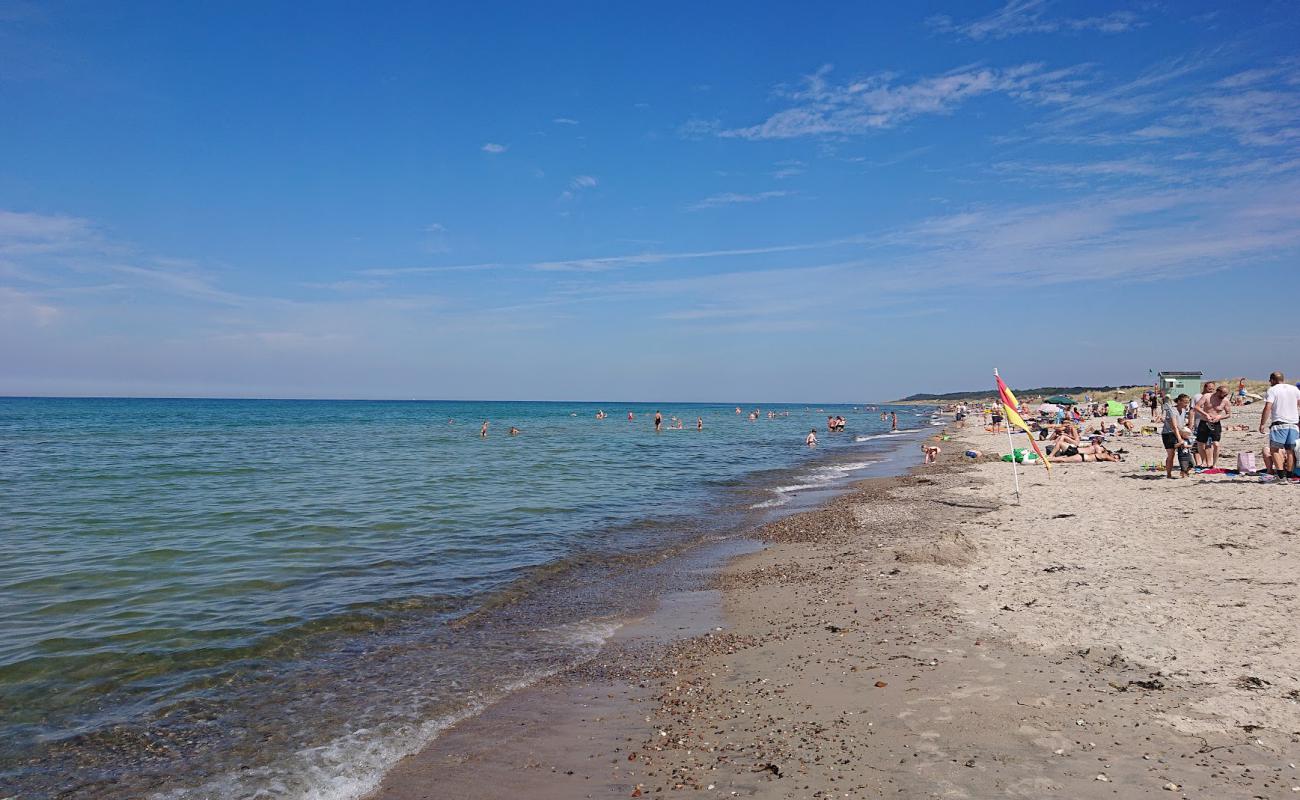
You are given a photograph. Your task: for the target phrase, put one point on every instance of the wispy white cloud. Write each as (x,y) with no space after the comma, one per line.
(1019,17)
(606,263)
(347,286)
(734,198)
(564,121)
(23,308)
(494,148)
(577,185)
(386,272)
(1124,168)
(1134,236)
(823,108)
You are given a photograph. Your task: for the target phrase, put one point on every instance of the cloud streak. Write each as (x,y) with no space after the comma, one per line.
(1019,17)
(733,198)
(821,107)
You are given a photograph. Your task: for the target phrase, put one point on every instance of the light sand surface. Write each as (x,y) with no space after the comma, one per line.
(1116,634)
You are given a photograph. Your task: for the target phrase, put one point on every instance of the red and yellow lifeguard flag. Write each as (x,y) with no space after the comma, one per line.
(1011,407)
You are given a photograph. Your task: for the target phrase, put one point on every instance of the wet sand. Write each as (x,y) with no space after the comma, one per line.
(1114,635)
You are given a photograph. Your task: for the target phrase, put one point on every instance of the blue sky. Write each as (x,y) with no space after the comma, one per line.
(678,201)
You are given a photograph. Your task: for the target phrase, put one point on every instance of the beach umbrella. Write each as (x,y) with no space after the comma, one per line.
(1061,400)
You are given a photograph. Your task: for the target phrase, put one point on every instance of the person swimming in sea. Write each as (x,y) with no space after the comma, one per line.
(659,421)
(699,423)
(514,431)
(811,438)
(482,432)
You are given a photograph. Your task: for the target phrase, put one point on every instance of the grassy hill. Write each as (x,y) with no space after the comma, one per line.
(1121,393)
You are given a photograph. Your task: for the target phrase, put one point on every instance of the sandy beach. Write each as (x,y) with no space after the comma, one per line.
(1116,634)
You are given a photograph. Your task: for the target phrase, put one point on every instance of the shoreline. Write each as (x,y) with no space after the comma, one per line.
(911,638)
(343,703)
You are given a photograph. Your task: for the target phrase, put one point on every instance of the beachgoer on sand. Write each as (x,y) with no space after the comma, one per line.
(1194,418)
(931,452)
(1174,434)
(1281,420)
(1212,409)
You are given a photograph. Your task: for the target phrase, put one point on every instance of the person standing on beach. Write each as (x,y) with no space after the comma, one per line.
(1281,420)
(1193,418)
(1211,410)
(659,421)
(811,438)
(1174,433)
(482,432)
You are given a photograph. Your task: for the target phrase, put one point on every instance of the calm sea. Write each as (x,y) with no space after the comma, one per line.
(225,598)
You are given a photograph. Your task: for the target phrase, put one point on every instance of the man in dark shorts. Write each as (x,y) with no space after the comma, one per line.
(1211,410)
(996,419)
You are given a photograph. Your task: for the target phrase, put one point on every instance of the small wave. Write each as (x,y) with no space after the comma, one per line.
(347,768)
(591,636)
(873,436)
(837,469)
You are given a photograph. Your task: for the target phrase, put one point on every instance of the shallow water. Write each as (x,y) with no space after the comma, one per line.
(279,598)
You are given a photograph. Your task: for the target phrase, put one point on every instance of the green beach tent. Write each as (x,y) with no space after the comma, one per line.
(1114,408)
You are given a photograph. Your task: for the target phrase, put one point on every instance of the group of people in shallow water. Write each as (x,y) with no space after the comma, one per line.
(834,423)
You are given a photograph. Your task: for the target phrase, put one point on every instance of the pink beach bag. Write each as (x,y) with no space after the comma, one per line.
(1246,462)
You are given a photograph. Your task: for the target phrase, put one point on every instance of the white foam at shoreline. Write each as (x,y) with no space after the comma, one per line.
(820,475)
(353,765)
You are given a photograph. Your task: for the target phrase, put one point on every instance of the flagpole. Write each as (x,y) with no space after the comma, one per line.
(1015,472)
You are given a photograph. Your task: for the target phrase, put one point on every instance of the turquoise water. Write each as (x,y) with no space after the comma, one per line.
(278,598)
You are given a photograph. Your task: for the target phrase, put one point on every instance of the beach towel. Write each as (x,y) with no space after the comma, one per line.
(1245,463)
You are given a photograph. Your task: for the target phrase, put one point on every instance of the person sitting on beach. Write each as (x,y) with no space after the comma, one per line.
(1174,434)
(1066,436)
(1124,423)
(811,438)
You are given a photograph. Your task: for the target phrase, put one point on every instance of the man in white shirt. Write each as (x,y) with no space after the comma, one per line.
(1281,420)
